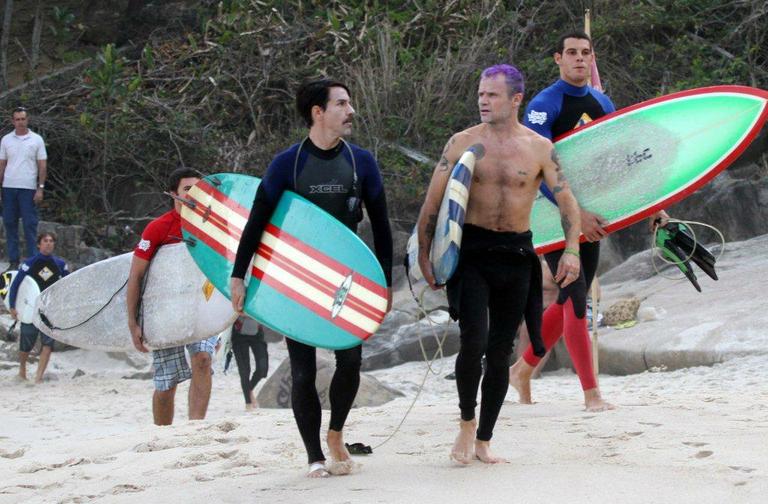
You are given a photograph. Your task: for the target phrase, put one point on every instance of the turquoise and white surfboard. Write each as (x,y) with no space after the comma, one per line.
(312,279)
(629,164)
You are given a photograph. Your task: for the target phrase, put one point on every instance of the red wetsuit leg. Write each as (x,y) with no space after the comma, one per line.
(551,330)
(579,346)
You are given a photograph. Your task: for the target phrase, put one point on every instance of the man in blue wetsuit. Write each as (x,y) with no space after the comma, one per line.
(338,177)
(45,269)
(565,105)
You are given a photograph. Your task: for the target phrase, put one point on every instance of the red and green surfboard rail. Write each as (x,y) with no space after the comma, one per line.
(634,162)
(312,279)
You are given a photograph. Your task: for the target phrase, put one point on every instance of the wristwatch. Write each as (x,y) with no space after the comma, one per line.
(41,186)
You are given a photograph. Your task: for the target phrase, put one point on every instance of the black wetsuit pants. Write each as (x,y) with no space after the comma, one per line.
(589,253)
(304,398)
(242,346)
(494,291)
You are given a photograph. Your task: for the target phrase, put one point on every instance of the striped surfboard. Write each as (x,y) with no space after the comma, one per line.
(446,243)
(311,279)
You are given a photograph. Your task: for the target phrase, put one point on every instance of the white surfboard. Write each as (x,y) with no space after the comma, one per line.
(446,243)
(26,297)
(87,308)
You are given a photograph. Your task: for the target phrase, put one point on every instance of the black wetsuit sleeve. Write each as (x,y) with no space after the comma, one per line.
(376,204)
(261,211)
(276,181)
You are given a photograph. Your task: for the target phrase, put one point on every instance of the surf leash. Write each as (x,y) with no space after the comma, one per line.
(429,361)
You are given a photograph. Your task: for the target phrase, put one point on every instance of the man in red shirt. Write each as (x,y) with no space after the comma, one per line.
(170,364)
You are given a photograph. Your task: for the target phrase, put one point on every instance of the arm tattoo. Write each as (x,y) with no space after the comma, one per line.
(431,226)
(443,164)
(566,222)
(561,182)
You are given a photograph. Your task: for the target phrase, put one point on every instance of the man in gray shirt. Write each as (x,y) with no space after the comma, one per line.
(22,172)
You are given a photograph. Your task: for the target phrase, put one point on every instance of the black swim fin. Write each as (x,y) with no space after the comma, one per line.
(702,257)
(672,252)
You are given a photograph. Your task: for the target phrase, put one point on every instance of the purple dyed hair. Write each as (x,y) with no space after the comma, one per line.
(513,77)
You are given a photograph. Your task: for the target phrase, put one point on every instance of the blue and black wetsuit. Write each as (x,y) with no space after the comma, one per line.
(45,270)
(338,180)
(553,112)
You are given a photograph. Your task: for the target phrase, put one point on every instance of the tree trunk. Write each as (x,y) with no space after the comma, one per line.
(36,32)
(6,36)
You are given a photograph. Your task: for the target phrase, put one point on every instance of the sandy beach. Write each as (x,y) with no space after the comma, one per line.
(692,435)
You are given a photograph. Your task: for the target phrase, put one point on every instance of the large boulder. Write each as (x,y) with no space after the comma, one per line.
(680,327)
(276,391)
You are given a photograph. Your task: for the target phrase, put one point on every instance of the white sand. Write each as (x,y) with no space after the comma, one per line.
(696,435)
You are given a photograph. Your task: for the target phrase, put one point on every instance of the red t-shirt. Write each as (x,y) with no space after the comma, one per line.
(164,230)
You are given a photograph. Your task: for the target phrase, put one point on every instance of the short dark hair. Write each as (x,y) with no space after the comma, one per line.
(577,34)
(179,173)
(44,234)
(315,93)
(19,109)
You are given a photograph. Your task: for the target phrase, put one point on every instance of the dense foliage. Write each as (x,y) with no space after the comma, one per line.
(220,97)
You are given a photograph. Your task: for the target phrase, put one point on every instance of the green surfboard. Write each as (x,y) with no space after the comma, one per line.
(629,164)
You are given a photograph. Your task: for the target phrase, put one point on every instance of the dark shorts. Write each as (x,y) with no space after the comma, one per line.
(28,338)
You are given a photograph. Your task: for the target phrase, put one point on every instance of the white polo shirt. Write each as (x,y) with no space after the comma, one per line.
(22,153)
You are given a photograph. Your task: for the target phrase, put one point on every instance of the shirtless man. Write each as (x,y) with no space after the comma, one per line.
(498,278)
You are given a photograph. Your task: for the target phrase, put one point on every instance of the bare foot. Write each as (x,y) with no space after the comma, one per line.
(341,462)
(38,381)
(21,378)
(336,446)
(520,378)
(484,454)
(317,470)
(594,402)
(463,448)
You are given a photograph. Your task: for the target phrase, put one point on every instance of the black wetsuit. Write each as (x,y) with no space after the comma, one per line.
(337,180)
(247,338)
(497,282)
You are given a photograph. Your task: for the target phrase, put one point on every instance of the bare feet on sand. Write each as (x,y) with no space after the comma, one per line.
(463,450)
(341,462)
(253,404)
(484,454)
(520,378)
(594,402)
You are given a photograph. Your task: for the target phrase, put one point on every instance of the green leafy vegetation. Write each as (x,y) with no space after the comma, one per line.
(221,97)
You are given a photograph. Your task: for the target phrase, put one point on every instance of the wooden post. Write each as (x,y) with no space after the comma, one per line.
(595,80)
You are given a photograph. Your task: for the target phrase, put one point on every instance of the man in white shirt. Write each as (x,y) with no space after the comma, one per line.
(22,172)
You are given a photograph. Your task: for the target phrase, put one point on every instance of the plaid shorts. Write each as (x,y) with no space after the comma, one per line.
(171,367)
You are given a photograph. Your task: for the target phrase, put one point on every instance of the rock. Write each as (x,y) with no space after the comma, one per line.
(401,343)
(140,375)
(689,328)
(78,373)
(276,391)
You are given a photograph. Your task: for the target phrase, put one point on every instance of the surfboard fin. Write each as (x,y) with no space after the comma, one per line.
(678,245)
(702,257)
